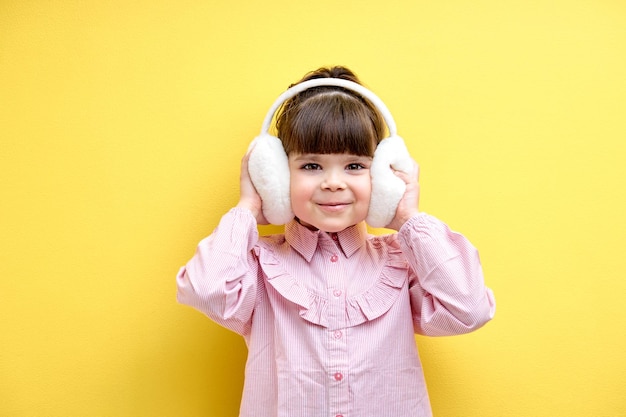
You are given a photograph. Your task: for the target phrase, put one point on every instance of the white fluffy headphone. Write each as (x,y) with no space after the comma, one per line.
(269,167)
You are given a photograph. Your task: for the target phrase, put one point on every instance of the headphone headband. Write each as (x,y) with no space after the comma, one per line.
(331,82)
(268,163)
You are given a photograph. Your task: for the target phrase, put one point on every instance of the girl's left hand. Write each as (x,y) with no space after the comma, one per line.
(408,206)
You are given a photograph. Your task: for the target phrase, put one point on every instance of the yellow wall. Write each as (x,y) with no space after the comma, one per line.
(122,124)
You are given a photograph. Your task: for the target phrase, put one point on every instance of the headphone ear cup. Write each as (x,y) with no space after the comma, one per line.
(269,170)
(387,188)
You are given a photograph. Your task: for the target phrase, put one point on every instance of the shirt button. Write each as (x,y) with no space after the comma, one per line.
(337,293)
(334,258)
(337,334)
(338,376)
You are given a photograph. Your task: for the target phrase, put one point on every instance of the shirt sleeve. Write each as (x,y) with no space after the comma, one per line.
(447,289)
(221,278)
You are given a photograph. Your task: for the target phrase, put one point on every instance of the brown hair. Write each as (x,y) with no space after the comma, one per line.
(329,119)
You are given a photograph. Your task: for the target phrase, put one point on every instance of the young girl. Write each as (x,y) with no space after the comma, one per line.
(327,311)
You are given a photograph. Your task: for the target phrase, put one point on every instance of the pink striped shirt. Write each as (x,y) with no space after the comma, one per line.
(329,319)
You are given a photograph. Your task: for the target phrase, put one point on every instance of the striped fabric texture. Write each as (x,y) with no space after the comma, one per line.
(329,319)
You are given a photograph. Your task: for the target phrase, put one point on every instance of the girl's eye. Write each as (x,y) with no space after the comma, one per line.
(311,167)
(355,166)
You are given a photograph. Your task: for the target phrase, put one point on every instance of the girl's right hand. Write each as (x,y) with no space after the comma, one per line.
(248,196)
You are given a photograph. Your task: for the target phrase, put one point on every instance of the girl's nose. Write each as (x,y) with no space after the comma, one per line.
(333,181)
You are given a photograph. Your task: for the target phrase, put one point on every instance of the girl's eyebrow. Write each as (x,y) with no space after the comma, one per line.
(305,156)
(362,157)
(358,158)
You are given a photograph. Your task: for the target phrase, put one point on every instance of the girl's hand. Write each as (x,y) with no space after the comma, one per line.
(248,196)
(408,206)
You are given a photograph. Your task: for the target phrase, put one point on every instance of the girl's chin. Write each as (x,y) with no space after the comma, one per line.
(328,227)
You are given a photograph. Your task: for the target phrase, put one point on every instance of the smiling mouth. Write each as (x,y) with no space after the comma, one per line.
(333,206)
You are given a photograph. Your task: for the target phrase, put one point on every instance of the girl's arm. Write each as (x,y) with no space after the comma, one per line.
(221,279)
(448,293)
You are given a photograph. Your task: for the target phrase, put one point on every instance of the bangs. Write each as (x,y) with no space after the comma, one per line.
(331,122)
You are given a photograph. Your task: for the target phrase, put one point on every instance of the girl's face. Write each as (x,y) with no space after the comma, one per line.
(330,192)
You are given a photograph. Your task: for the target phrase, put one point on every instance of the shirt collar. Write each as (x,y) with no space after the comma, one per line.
(305,241)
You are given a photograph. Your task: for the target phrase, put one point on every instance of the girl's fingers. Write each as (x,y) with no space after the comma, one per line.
(408,177)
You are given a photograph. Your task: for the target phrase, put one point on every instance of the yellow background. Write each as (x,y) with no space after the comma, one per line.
(122,125)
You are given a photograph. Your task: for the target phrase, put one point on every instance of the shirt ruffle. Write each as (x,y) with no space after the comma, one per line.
(365,306)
